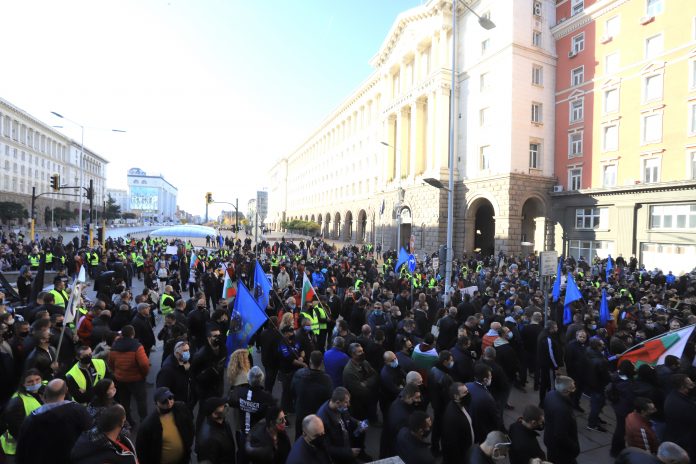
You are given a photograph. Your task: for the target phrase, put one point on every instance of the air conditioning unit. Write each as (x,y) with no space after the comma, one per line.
(606,39)
(647,20)
(572,54)
(557,188)
(537,8)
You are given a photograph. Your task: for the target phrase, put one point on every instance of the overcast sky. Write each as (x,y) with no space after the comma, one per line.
(210,92)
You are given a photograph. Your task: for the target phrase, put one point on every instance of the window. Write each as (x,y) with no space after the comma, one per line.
(396,84)
(609,175)
(652,88)
(535,155)
(692,165)
(538,75)
(589,249)
(537,116)
(574,178)
(485,157)
(611,26)
(651,170)
(591,218)
(653,46)
(577,107)
(579,42)
(536,38)
(612,62)
(692,118)
(576,6)
(483,81)
(537,8)
(577,76)
(654,7)
(692,78)
(484,45)
(484,117)
(652,128)
(575,144)
(611,100)
(673,216)
(611,138)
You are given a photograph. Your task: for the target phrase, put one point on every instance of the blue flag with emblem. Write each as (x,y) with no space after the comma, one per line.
(604,309)
(557,283)
(245,319)
(610,267)
(403,259)
(262,287)
(572,294)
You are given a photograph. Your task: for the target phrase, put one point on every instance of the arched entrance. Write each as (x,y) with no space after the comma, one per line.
(337,226)
(533,225)
(362,226)
(483,213)
(348,227)
(405,229)
(327,225)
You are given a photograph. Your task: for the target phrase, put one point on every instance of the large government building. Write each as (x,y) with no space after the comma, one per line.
(32,151)
(151,197)
(540,162)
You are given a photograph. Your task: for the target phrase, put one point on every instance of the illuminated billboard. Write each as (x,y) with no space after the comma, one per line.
(144,198)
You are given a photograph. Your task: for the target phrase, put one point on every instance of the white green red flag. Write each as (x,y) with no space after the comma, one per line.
(655,350)
(229,287)
(307,291)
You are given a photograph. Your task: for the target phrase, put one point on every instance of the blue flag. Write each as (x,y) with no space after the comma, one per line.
(610,267)
(245,319)
(603,309)
(262,287)
(403,259)
(572,294)
(557,283)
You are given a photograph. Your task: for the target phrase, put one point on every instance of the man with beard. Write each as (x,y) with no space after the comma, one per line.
(399,412)
(523,435)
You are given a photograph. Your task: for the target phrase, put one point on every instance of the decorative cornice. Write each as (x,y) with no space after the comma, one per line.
(673,186)
(588,15)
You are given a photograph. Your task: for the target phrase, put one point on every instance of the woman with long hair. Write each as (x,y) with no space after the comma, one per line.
(104,394)
(238,368)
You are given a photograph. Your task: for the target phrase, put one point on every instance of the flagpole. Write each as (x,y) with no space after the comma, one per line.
(68,306)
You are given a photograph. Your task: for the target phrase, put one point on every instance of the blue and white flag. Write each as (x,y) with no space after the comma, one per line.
(245,319)
(262,287)
(572,294)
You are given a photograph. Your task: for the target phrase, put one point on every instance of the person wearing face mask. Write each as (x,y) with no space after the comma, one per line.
(439,381)
(84,375)
(457,430)
(176,375)
(524,436)
(304,335)
(214,440)
(208,366)
(361,380)
(310,387)
(412,441)
(268,442)
(105,397)
(107,441)
(310,448)
(166,435)
(575,360)
(43,357)
(495,448)
(26,400)
(400,410)
(485,415)
(391,380)
(345,439)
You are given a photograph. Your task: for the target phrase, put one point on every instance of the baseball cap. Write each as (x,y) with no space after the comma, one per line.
(163,394)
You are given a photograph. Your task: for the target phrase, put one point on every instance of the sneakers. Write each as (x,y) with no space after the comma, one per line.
(596,428)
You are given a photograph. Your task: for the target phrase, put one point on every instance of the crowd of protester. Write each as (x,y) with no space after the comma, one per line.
(376,351)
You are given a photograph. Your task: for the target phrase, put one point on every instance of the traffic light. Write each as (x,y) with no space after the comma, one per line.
(85,229)
(100,235)
(208,197)
(55,182)
(90,192)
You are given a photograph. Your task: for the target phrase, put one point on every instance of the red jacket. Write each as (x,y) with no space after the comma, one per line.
(84,329)
(640,434)
(128,361)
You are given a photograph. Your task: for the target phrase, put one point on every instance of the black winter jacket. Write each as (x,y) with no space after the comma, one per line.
(148,444)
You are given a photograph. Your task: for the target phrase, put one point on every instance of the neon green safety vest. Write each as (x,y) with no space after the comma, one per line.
(166,307)
(313,319)
(80,312)
(49,258)
(34,260)
(357,284)
(79,377)
(59,298)
(139,261)
(94,260)
(7,441)
(321,319)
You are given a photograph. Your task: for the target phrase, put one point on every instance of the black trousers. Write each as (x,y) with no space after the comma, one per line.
(126,390)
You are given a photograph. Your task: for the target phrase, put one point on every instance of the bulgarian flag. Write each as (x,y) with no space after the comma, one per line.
(229,287)
(655,350)
(194,260)
(307,291)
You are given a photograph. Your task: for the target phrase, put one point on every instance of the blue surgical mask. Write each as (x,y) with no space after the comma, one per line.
(394,363)
(342,410)
(378,312)
(510,335)
(33,388)
(307,328)
(449,365)
(185,356)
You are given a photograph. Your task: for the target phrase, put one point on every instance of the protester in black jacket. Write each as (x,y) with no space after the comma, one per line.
(411,441)
(391,381)
(485,416)
(214,440)
(251,400)
(680,415)
(143,328)
(397,418)
(106,442)
(561,429)
(208,366)
(439,382)
(149,441)
(576,361)
(176,375)
(596,380)
(463,360)
(457,430)
(548,358)
(268,441)
(268,340)
(523,435)
(311,387)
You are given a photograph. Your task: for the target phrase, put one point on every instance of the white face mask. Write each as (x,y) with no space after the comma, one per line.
(487,381)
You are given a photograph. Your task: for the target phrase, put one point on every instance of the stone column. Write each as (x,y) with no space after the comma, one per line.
(549,234)
(390,165)
(508,230)
(441,128)
(405,142)
(418,137)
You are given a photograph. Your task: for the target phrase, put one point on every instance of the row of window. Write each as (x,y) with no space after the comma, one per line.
(652,7)
(682,217)
(15,130)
